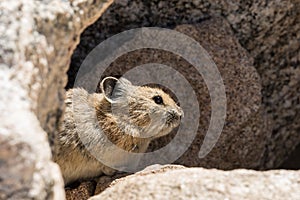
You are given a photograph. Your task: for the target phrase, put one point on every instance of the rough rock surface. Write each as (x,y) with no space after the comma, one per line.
(87,189)
(84,191)
(198,183)
(269,30)
(36,43)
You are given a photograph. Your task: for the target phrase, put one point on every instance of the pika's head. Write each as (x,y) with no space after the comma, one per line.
(142,111)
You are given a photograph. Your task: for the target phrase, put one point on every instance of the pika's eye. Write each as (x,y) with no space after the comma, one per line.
(158,100)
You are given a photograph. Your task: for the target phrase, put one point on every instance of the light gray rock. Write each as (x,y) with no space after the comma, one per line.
(199,183)
(36,43)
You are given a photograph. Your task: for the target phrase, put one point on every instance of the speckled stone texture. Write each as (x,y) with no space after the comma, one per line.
(36,43)
(268,30)
(87,189)
(198,183)
(84,191)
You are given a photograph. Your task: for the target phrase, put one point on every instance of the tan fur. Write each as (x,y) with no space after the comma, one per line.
(130,120)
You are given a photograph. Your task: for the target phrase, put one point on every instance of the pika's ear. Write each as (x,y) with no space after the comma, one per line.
(114,88)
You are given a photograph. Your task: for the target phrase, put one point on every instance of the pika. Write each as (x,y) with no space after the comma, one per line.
(129,116)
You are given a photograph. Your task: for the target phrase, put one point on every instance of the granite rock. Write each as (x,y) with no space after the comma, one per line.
(36,43)
(84,191)
(199,183)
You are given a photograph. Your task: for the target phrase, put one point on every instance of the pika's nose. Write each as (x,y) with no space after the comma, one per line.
(177,113)
(181,115)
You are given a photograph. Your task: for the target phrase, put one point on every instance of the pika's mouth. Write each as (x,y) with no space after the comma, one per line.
(173,119)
